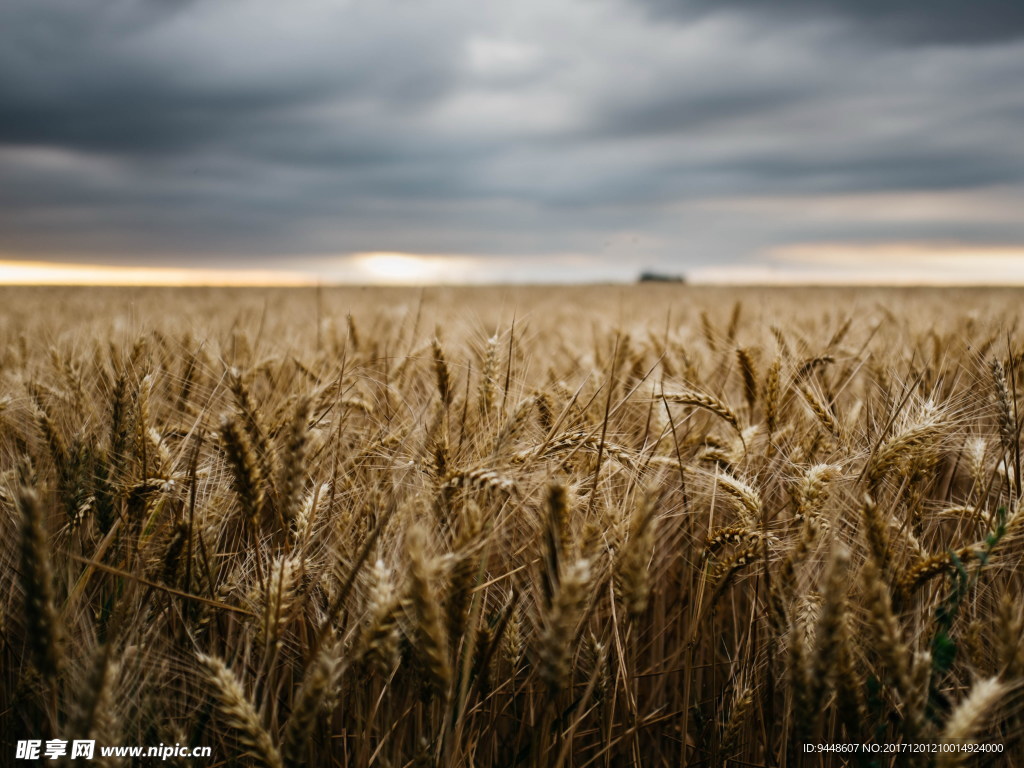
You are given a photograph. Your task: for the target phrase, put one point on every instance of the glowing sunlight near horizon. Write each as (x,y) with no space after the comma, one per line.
(894,263)
(825,263)
(43,273)
(408,268)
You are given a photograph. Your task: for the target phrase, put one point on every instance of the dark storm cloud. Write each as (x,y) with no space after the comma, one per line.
(689,112)
(146,130)
(911,21)
(130,76)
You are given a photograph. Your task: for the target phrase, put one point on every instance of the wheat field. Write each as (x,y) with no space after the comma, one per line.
(576,526)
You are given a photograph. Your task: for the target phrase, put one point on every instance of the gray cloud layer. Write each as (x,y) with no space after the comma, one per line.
(907,21)
(185,132)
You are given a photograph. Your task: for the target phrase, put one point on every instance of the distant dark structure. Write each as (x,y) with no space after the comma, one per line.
(660,277)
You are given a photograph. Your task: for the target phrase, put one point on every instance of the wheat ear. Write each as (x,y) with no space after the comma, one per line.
(41,615)
(705,402)
(431,644)
(559,621)
(967,719)
(239,713)
(315,688)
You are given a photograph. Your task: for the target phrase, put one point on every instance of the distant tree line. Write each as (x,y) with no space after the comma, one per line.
(648,276)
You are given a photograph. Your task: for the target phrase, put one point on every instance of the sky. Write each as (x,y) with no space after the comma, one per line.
(423,141)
